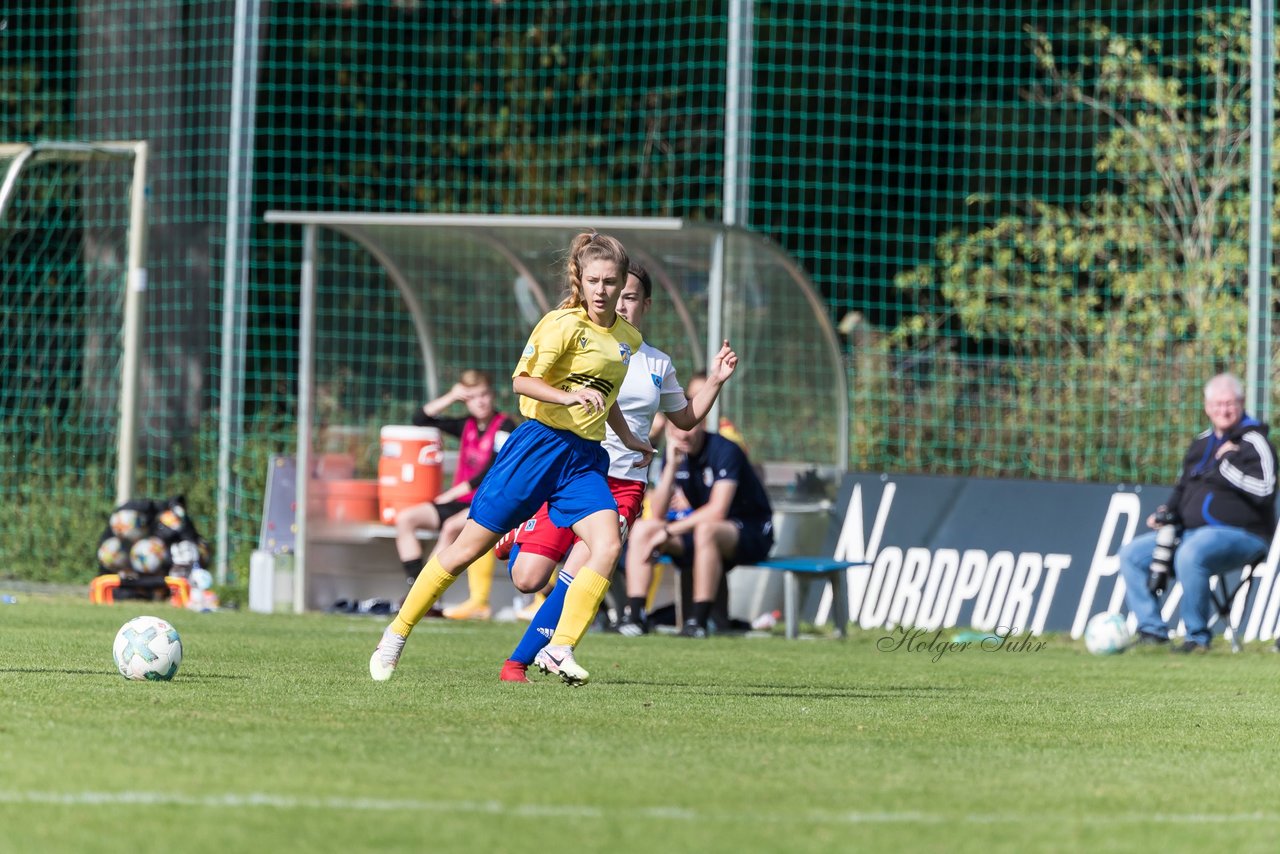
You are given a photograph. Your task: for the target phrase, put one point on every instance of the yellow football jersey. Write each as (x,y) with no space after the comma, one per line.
(570,353)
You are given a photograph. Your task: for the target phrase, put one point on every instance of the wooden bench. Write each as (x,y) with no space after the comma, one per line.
(328,531)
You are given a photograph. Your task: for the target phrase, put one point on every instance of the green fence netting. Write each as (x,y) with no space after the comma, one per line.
(1029,220)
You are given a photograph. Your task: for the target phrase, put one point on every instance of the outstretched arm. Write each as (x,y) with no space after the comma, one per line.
(722,367)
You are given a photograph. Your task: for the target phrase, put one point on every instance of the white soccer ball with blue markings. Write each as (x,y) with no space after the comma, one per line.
(147,648)
(1107,634)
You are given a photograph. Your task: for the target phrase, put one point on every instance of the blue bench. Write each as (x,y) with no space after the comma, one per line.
(830,570)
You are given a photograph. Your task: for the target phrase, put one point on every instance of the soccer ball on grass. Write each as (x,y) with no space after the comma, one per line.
(147,648)
(1107,634)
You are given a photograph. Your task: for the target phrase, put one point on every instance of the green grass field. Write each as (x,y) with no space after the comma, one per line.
(272,737)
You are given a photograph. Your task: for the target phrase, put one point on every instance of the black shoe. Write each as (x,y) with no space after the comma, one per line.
(1152,639)
(1191,648)
(693,630)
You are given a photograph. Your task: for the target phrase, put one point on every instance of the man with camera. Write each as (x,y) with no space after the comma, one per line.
(1220,515)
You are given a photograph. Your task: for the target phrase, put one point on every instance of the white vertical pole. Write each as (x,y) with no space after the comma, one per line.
(135,288)
(715,314)
(737,113)
(306,381)
(244,81)
(1262,73)
(737,137)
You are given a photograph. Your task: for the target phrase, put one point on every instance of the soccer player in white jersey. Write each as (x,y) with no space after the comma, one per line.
(650,386)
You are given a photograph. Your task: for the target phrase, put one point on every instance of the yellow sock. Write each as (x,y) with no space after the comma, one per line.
(480,578)
(581,602)
(654,583)
(432,582)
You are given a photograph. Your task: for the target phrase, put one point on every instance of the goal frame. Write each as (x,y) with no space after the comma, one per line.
(23,154)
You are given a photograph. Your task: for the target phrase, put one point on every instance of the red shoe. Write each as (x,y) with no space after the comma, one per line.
(513,671)
(502,550)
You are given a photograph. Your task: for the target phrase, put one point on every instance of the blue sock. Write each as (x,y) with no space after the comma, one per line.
(543,625)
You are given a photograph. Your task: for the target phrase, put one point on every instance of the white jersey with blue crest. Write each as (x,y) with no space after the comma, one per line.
(649,387)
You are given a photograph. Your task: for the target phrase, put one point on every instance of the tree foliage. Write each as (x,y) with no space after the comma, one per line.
(489,107)
(1098,320)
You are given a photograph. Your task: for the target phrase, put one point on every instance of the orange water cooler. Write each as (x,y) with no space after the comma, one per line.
(410,469)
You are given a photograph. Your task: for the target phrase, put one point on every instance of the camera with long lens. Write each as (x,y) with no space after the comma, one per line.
(1167,531)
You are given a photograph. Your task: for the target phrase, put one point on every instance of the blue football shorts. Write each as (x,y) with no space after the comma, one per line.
(540,464)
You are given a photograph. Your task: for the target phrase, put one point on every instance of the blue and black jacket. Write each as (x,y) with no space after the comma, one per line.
(1237,489)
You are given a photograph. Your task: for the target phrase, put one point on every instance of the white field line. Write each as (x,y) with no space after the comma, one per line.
(232,800)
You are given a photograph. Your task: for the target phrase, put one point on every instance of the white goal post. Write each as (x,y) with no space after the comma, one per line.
(18,156)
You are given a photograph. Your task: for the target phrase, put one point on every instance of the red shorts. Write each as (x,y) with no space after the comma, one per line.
(539,536)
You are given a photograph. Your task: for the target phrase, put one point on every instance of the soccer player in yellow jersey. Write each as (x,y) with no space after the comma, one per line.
(568,379)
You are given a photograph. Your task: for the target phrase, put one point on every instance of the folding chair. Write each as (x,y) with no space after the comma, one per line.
(1224,596)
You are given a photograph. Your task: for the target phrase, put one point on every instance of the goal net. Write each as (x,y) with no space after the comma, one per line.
(68,238)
